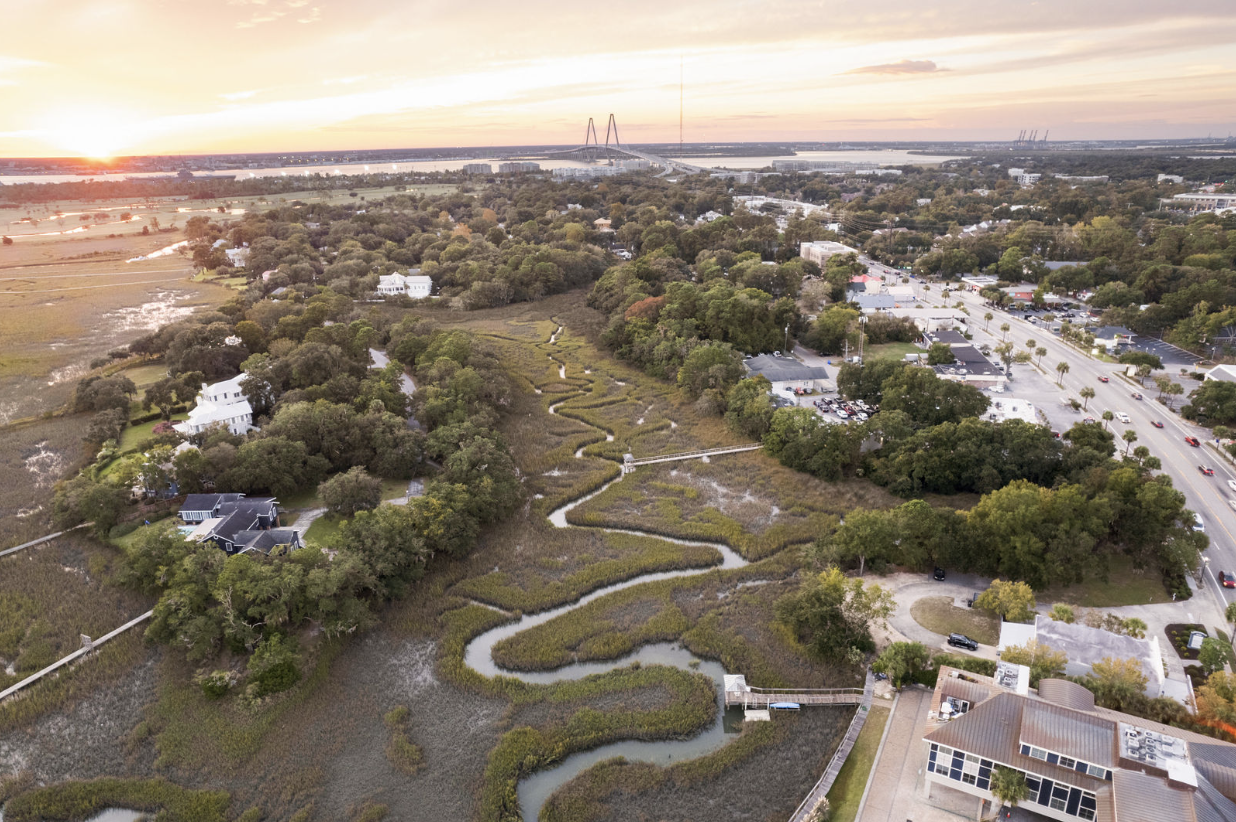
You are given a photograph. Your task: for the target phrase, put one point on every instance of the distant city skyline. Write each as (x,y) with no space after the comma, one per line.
(112,77)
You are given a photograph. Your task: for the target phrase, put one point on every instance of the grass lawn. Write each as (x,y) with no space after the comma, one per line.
(304,499)
(940,615)
(394,488)
(323,528)
(891,351)
(145,375)
(134,434)
(847,791)
(1125,585)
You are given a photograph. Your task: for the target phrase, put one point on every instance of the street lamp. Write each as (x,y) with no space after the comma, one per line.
(787,339)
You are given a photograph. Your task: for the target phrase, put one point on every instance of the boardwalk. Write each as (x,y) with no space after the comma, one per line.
(88,646)
(630,463)
(813,799)
(740,695)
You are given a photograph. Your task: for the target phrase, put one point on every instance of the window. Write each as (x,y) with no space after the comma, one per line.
(969,778)
(1066,762)
(1095,770)
(1038,753)
(941,767)
(1059,798)
(1085,813)
(946,752)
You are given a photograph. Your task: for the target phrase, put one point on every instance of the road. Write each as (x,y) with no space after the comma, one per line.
(1207,495)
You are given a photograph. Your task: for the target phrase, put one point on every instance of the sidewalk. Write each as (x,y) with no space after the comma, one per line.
(895,791)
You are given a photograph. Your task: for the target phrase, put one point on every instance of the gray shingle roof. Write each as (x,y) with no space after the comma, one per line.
(784,369)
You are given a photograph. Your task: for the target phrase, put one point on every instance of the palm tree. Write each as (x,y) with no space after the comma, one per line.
(1040,353)
(1108,416)
(1062,368)
(1129,437)
(1005,329)
(1031,344)
(1087,394)
(987,318)
(1009,786)
(1173,390)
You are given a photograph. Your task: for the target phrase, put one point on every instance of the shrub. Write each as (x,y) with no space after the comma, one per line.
(273,666)
(217,683)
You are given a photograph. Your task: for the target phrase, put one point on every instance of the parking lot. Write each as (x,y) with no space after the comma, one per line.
(1172,356)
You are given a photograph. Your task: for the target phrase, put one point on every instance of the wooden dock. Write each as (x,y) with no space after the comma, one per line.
(818,793)
(762,698)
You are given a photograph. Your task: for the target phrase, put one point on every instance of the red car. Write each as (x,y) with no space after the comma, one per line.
(1227,580)
(1156,424)
(1193,441)
(1206,470)
(1104,379)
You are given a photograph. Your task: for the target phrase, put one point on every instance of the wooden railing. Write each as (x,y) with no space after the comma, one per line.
(813,799)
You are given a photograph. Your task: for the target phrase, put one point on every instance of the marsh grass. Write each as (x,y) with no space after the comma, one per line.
(403,755)
(78,801)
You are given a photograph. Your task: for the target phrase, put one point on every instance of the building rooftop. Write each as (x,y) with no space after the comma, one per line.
(783,369)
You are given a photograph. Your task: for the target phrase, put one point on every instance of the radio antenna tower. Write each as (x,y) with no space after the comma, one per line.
(680,87)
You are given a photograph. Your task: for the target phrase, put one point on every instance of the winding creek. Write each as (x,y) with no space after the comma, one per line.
(536,789)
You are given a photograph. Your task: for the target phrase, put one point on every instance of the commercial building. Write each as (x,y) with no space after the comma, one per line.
(586,172)
(1201,201)
(223,404)
(873,303)
(826,166)
(821,250)
(1112,337)
(1079,761)
(787,373)
(518,167)
(1170,178)
(1226,373)
(932,318)
(1012,409)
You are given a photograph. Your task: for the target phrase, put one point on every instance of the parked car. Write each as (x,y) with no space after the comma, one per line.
(938,574)
(1193,441)
(1104,379)
(1157,424)
(1227,580)
(962,641)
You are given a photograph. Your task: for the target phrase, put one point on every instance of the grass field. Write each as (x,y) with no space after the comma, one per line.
(890,351)
(1125,585)
(847,791)
(940,615)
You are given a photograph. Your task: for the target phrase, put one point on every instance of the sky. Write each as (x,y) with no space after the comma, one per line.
(106,77)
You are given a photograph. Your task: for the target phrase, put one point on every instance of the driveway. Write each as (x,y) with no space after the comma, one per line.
(910,588)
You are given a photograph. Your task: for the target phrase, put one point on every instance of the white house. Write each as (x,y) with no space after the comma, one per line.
(820,250)
(417,286)
(223,403)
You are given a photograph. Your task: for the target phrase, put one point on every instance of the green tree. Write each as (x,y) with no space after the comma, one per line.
(1012,600)
(710,367)
(1004,329)
(1118,678)
(1212,656)
(1009,786)
(833,614)
(749,407)
(1216,700)
(1063,613)
(1087,394)
(1108,416)
(345,494)
(940,354)
(865,535)
(1062,368)
(1039,354)
(1044,662)
(902,661)
(832,329)
(1129,436)
(81,499)
(987,318)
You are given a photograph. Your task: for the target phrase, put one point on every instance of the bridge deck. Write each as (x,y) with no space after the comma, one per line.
(692,455)
(762,699)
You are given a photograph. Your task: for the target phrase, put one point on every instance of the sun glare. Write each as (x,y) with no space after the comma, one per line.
(92,133)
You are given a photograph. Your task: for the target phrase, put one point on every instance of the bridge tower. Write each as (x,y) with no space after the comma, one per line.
(590,139)
(612,125)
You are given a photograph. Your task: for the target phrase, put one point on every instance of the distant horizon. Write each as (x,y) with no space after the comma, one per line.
(105,78)
(1220,142)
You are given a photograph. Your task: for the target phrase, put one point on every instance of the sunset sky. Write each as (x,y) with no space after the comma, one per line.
(100,77)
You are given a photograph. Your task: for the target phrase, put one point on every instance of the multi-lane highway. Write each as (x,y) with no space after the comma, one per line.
(1208,496)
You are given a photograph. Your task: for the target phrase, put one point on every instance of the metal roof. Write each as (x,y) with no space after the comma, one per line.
(1139,797)
(1069,732)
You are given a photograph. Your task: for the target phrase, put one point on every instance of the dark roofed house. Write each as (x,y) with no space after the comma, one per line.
(1079,761)
(237,524)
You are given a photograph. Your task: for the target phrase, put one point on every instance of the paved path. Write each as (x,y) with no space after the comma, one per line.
(895,792)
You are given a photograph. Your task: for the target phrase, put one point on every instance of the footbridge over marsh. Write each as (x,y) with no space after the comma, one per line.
(630,463)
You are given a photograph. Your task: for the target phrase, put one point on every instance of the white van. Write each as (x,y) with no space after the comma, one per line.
(1199,525)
